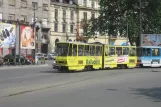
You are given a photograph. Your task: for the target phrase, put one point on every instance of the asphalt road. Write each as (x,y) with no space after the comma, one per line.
(45,87)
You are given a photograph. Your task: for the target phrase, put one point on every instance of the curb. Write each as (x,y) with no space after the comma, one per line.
(23,66)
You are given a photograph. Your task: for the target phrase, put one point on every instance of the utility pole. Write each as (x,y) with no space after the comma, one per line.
(34,29)
(127,31)
(140,21)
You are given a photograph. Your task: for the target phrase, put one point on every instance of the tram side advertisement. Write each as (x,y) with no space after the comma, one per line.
(122,59)
(151,40)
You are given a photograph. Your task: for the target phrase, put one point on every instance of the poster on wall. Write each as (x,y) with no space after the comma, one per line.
(27,37)
(151,40)
(7,35)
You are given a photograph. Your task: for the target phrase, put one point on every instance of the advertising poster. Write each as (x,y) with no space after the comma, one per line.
(151,40)
(7,35)
(27,37)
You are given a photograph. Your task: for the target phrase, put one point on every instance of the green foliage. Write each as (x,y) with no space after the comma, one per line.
(115,15)
(90,28)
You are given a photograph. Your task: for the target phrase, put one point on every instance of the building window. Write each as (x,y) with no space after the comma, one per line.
(64,14)
(12,2)
(56,27)
(64,28)
(35,5)
(11,17)
(24,18)
(92,15)
(71,28)
(72,14)
(57,40)
(85,16)
(56,14)
(23,3)
(85,3)
(45,7)
(92,4)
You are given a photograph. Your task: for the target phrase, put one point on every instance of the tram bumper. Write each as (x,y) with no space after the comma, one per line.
(55,65)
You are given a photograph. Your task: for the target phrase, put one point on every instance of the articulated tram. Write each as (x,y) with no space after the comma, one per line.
(75,56)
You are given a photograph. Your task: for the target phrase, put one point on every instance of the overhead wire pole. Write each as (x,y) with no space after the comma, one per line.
(34,31)
(140,21)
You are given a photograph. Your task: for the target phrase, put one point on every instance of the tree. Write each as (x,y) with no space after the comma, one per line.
(116,14)
(90,28)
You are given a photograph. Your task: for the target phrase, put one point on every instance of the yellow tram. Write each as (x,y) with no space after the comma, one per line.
(75,56)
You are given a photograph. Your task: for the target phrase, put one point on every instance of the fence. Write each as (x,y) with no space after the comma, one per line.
(19,61)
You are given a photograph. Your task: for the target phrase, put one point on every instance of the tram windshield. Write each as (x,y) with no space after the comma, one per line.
(62,49)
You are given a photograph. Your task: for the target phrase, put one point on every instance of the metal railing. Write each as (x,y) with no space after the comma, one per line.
(18,61)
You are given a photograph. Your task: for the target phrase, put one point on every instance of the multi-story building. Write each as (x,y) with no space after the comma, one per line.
(63,19)
(58,20)
(67,17)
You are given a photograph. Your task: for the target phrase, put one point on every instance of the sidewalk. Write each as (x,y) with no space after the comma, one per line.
(23,66)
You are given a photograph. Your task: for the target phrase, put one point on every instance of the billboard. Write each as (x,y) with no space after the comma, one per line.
(151,40)
(7,35)
(27,37)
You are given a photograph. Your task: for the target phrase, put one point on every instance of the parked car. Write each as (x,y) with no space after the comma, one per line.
(52,56)
(12,60)
(30,57)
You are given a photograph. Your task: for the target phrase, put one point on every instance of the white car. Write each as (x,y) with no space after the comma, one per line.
(52,56)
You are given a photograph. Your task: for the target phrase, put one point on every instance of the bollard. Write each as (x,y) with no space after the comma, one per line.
(44,60)
(15,61)
(18,61)
(24,62)
(8,61)
(2,61)
(41,60)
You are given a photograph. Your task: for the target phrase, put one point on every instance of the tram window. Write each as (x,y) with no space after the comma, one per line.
(101,51)
(112,51)
(74,50)
(70,50)
(106,51)
(132,52)
(98,50)
(80,50)
(155,52)
(125,51)
(146,52)
(86,50)
(92,50)
(119,51)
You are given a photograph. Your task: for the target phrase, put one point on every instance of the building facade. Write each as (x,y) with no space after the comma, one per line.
(24,12)
(67,17)
(56,20)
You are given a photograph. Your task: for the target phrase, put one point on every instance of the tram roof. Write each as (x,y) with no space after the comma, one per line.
(149,46)
(96,43)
